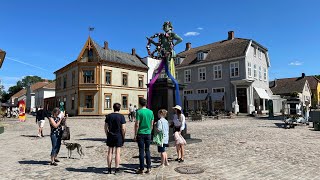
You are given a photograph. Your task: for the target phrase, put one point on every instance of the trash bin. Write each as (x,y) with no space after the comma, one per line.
(315,118)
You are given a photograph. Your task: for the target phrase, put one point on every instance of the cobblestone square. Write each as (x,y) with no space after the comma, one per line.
(241,148)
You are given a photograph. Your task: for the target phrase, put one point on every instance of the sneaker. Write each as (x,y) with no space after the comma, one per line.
(177,159)
(181,160)
(53,164)
(148,171)
(56,160)
(139,171)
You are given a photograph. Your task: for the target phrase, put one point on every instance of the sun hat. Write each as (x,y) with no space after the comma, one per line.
(177,107)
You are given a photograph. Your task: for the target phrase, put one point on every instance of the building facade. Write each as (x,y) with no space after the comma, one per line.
(44,92)
(236,68)
(100,77)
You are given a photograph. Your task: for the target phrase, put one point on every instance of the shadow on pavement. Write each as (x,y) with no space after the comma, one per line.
(89,169)
(129,168)
(279,125)
(32,162)
(101,139)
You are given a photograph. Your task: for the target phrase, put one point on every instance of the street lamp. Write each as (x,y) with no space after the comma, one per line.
(2,56)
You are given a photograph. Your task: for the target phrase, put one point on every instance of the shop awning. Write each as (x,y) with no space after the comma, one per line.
(218,96)
(196,97)
(262,93)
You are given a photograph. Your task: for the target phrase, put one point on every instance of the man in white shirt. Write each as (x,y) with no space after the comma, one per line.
(131,109)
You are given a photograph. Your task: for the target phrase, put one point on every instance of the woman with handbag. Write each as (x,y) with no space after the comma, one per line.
(179,122)
(163,129)
(56,133)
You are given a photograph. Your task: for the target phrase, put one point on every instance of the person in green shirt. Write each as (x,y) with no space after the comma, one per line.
(143,127)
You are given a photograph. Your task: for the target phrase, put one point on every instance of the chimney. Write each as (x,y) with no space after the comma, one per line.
(303,75)
(105,45)
(133,51)
(230,35)
(188,46)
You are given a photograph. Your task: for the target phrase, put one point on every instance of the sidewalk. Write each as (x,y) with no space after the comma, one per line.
(240,149)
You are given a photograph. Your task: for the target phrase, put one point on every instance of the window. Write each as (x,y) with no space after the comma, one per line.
(89,101)
(249,69)
(88,76)
(260,54)
(265,74)
(260,73)
(217,71)
(107,101)
(187,92)
(255,71)
(202,91)
(187,76)
(202,74)
(140,81)
(125,101)
(90,55)
(200,55)
(234,69)
(65,82)
(217,90)
(124,79)
(108,77)
(254,51)
(177,60)
(72,102)
(59,83)
(73,78)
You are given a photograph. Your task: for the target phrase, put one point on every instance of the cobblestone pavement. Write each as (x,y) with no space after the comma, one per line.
(243,148)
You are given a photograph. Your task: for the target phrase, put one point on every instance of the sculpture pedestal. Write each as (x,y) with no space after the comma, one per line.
(163,97)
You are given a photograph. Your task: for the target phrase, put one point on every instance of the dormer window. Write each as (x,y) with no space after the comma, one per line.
(200,56)
(177,61)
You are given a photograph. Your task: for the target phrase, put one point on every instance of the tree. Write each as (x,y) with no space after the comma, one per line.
(317,76)
(29,80)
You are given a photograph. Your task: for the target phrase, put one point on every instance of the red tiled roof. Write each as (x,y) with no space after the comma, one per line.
(50,85)
(38,85)
(19,94)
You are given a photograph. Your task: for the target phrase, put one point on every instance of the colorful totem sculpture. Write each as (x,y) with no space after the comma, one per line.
(164,51)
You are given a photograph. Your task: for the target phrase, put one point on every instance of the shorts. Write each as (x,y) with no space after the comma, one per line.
(41,123)
(163,148)
(114,140)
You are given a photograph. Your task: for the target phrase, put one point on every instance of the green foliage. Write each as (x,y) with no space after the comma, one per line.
(28,81)
(23,83)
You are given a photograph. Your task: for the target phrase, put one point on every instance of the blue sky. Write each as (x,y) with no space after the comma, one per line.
(41,36)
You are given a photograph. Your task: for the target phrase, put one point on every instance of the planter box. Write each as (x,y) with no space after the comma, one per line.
(1,129)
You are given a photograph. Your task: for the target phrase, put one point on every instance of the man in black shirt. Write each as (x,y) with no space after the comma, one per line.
(115,130)
(41,114)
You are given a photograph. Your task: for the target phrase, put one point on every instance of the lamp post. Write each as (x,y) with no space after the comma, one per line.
(2,56)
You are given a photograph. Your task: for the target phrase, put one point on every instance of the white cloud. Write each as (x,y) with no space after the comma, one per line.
(200,28)
(296,63)
(191,34)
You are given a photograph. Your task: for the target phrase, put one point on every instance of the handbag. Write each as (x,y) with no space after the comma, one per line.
(158,137)
(65,133)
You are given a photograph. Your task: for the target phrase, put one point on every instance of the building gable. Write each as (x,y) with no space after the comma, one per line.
(89,52)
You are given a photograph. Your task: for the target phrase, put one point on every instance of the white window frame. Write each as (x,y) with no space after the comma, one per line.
(255,71)
(260,73)
(254,51)
(260,53)
(200,56)
(188,90)
(219,68)
(218,88)
(205,74)
(249,69)
(265,74)
(233,65)
(205,89)
(185,76)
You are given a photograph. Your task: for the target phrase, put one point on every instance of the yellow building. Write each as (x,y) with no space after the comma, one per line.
(100,77)
(315,90)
